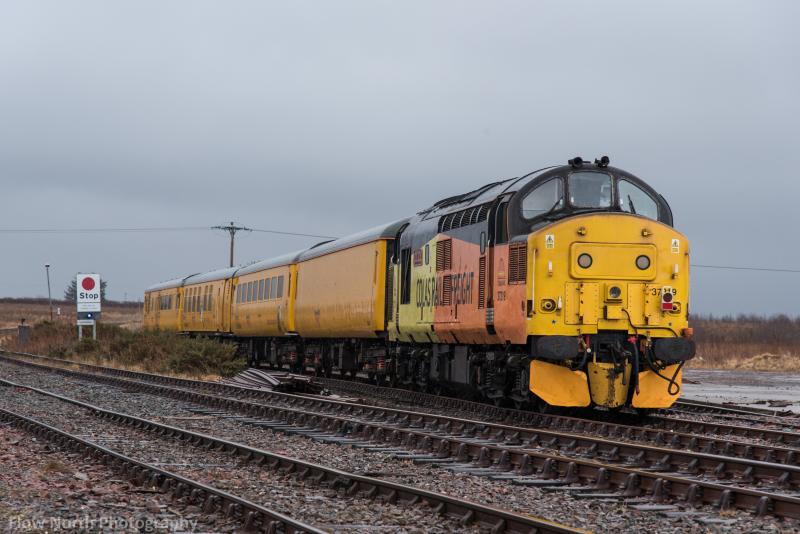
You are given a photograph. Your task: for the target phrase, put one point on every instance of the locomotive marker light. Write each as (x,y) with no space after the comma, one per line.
(88,302)
(666,298)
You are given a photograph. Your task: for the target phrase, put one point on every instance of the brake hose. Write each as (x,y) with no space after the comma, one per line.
(672,382)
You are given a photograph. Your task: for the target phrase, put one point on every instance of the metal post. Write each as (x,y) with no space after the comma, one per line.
(49,297)
(80,332)
(94,331)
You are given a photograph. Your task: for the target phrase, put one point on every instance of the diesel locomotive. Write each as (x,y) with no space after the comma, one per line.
(565,287)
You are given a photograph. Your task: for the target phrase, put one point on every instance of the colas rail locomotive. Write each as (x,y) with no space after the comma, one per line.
(565,287)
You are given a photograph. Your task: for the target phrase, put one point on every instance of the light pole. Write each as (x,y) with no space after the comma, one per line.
(49,297)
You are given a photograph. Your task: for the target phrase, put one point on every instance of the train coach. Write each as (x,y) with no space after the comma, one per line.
(564,287)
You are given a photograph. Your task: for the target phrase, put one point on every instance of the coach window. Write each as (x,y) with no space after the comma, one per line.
(261,289)
(210,297)
(273,292)
(267,288)
(634,200)
(280,286)
(238,294)
(543,199)
(590,190)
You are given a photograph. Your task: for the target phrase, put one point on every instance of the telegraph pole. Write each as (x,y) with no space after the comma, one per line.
(232,229)
(49,297)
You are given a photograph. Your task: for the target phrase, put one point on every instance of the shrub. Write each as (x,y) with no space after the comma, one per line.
(148,350)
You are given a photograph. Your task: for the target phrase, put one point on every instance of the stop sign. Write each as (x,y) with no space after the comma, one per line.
(88,297)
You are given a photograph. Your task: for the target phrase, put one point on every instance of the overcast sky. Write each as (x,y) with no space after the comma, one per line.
(330,117)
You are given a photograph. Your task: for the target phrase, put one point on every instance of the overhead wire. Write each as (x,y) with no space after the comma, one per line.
(142,229)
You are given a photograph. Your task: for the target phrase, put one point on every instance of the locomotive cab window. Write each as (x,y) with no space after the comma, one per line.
(632,199)
(590,190)
(545,198)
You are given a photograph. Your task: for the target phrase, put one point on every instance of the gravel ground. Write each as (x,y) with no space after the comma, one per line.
(43,489)
(308,503)
(590,514)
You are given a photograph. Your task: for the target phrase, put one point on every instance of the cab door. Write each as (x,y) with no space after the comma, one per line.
(495,259)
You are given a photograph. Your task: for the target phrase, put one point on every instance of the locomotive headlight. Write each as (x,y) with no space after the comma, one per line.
(614,292)
(585,261)
(643,262)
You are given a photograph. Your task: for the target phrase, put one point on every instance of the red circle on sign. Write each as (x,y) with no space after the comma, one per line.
(88,283)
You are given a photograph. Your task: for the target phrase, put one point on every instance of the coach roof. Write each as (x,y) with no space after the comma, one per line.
(384,231)
(169,284)
(280,261)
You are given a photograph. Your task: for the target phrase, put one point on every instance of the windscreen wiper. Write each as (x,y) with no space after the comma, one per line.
(630,203)
(552,208)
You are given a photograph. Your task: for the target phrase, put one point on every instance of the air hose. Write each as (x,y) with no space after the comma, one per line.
(672,387)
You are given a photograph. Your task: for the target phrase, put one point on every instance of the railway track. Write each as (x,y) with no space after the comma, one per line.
(585,466)
(742,414)
(252,515)
(692,434)
(463,514)
(697,428)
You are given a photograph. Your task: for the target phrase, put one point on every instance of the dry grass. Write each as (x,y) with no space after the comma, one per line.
(34,311)
(747,342)
(141,350)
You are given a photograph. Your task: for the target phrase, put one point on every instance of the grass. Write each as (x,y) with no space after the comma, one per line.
(128,314)
(143,350)
(747,342)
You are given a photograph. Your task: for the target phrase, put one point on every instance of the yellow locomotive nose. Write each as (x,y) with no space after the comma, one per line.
(612,337)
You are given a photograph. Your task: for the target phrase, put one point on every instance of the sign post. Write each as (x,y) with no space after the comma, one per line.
(88,301)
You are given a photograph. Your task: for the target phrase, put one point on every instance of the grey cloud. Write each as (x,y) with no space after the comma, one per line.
(331,117)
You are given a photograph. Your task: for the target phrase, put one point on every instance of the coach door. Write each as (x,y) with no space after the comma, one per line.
(226,303)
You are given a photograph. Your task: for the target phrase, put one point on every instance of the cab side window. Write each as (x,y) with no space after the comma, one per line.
(545,198)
